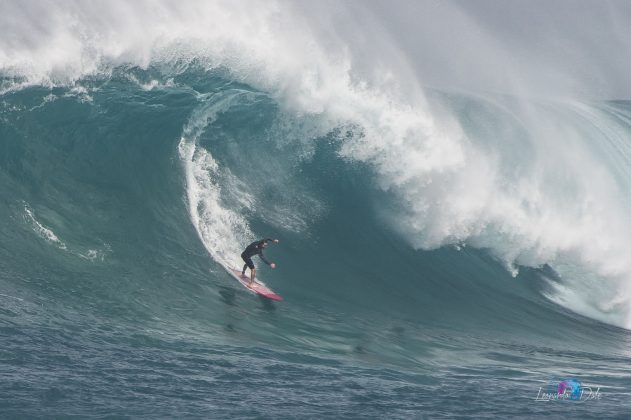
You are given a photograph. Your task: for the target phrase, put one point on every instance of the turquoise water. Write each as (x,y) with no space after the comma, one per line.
(120,201)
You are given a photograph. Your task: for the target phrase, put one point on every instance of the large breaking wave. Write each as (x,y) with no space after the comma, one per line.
(540,183)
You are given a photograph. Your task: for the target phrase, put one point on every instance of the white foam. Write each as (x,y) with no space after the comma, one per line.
(50,237)
(93,255)
(42,231)
(81,93)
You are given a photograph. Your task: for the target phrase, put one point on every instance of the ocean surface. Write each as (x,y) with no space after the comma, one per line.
(442,254)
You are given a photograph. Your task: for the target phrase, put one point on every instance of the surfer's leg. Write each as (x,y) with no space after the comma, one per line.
(248,263)
(253,275)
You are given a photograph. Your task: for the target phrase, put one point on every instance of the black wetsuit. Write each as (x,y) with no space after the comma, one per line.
(253,249)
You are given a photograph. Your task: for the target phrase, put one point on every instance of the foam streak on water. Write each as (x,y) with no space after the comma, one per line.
(41,230)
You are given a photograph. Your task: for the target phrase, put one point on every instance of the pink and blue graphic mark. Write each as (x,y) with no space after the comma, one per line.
(571,387)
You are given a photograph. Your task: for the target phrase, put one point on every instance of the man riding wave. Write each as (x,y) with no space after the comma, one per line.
(255,248)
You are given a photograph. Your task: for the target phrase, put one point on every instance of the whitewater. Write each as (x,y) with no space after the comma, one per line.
(450,244)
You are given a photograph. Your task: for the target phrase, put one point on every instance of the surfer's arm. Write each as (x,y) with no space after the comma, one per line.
(271,240)
(264,259)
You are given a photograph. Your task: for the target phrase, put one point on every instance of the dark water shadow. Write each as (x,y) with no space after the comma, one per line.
(228,296)
(267,304)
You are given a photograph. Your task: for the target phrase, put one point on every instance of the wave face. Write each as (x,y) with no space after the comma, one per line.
(437,248)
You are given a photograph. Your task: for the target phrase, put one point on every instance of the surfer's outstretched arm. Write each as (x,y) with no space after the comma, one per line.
(264,259)
(271,264)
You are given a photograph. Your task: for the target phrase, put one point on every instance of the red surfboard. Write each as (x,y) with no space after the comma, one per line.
(259,287)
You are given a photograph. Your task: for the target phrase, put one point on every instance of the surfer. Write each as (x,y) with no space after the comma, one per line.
(253,249)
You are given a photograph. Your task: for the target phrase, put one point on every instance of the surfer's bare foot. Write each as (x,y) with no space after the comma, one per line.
(252,285)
